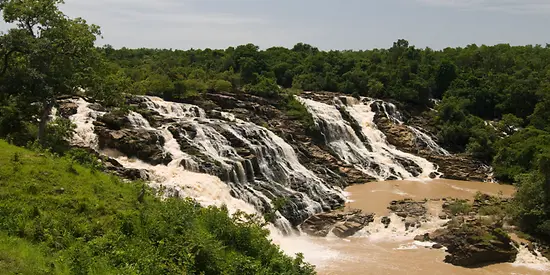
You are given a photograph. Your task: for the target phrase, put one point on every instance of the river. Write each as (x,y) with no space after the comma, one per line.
(376,250)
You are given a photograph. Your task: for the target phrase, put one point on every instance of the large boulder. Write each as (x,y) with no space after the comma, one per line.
(342,223)
(143,144)
(67,108)
(472,244)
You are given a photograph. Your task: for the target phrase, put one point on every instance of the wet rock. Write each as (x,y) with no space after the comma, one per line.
(458,167)
(67,108)
(408,208)
(422,238)
(143,144)
(437,246)
(115,121)
(386,221)
(411,222)
(472,244)
(342,224)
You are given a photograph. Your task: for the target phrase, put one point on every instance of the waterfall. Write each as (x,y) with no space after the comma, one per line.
(220,159)
(365,146)
(426,141)
(84,120)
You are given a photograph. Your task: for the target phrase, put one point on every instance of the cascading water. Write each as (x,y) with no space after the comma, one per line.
(254,164)
(390,112)
(364,146)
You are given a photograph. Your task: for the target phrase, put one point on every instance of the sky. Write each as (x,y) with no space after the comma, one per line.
(326,24)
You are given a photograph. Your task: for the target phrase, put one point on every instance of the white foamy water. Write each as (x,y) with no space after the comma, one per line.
(526,258)
(370,153)
(428,142)
(84,119)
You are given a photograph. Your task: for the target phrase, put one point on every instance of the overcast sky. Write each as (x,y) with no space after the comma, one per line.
(327,24)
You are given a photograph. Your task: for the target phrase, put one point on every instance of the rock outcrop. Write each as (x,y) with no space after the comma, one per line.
(472,237)
(143,144)
(453,166)
(471,243)
(342,223)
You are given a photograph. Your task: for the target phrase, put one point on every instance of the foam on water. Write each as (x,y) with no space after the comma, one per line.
(533,261)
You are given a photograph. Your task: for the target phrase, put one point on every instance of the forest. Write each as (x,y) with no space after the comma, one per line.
(491,102)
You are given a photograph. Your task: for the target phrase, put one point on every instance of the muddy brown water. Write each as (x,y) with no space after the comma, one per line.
(393,251)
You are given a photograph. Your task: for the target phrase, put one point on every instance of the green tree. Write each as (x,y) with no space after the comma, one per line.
(46,54)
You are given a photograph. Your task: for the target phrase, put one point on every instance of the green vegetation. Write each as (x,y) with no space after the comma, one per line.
(59,217)
(459,207)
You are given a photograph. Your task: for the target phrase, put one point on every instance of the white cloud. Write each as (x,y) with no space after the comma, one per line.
(509,6)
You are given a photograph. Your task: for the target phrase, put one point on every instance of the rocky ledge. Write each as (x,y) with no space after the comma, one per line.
(475,235)
(453,166)
(343,224)
(472,243)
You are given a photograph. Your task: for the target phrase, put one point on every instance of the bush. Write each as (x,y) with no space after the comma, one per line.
(76,221)
(459,207)
(297,111)
(221,86)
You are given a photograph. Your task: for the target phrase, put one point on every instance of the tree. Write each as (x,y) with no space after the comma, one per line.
(46,55)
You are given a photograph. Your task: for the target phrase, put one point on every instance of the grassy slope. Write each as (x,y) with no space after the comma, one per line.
(58,217)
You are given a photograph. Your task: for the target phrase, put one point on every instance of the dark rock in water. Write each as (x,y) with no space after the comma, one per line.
(386,221)
(115,121)
(67,108)
(143,144)
(352,225)
(408,208)
(422,238)
(342,224)
(472,244)
(437,246)
(411,222)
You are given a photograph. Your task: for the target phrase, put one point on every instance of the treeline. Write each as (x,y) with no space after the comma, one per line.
(493,101)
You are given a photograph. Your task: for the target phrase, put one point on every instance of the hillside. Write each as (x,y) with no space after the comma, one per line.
(59,217)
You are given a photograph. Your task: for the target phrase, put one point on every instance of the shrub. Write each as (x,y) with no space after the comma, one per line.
(74,221)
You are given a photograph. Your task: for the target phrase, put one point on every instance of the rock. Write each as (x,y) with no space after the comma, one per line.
(411,222)
(443,216)
(342,223)
(472,244)
(67,108)
(459,167)
(437,246)
(386,221)
(115,121)
(422,238)
(408,208)
(141,143)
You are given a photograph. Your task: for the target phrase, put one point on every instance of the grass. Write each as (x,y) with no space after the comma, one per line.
(59,217)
